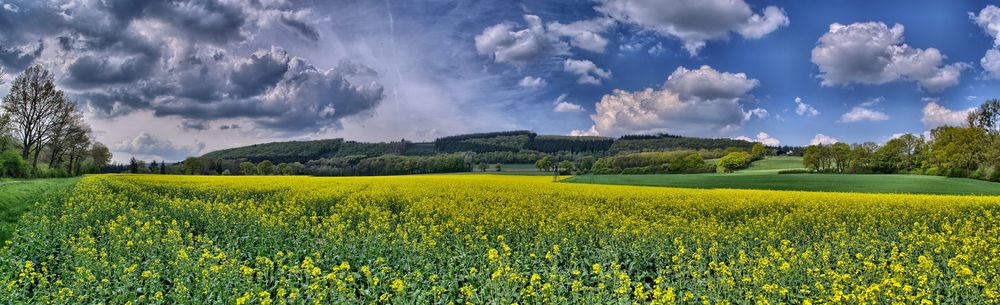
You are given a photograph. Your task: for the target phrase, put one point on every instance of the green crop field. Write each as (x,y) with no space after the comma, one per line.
(19,196)
(764,175)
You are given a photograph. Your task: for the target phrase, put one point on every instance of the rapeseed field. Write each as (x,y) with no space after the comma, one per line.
(489,239)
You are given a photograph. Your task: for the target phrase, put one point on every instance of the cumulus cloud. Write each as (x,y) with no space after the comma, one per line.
(584,34)
(508,42)
(148,147)
(589,73)
(561,105)
(989,20)
(863,113)
(873,53)
(759,113)
(691,102)
(935,115)
(695,22)
(706,83)
(803,109)
(532,82)
(762,138)
(821,139)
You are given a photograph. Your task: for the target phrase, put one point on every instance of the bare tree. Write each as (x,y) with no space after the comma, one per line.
(78,143)
(33,104)
(67,121)
(5,139)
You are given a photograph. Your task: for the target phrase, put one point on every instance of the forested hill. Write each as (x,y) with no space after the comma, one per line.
(506,142)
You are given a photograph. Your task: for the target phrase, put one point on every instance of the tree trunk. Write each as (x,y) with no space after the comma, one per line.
(34,161)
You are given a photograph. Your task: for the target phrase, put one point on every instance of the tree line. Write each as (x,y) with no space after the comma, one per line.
(43,133)
(972,151)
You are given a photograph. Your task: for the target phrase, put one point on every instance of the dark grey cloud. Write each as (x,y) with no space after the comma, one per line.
(190,59)
(194,125)
(300,27)
(302,98)
(90,71)
(19,58)
(259,72)
(230,126)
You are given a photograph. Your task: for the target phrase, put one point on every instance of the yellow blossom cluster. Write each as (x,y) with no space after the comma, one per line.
(491,239)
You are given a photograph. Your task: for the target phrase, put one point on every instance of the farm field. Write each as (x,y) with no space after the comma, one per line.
(764,175)
(494,239)
(513,169)
(19,196)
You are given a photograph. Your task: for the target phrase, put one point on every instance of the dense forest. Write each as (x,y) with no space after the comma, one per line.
(337,157)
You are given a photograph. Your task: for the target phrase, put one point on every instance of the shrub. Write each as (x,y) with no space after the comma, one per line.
(733,161)
(793,171)
(11,165)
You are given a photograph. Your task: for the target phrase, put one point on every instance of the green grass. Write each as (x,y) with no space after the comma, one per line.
(19,196)
(774,164)
(770,180)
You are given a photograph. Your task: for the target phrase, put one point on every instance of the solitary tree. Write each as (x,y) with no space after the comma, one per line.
(100,154)
(482,166)
(133,166)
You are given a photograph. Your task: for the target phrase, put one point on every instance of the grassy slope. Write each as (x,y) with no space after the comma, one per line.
(763,175)
(19,196)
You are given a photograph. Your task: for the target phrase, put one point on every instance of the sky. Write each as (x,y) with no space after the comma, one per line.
(169,79)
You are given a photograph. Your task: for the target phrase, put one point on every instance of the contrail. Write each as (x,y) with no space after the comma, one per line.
(395,59)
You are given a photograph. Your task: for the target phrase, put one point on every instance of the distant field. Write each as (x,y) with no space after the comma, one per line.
(18,196)
(513,169)
(775,164)
(763,175)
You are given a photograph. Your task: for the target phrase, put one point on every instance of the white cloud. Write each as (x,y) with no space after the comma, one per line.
(561,105)
(801,108)
(936,115)
(760,113)
(532,82)
(695,22)
(762,138)
(691,102)
(872,53)
(518,47)
(706,83)
(863,113)
(508,43)
(584,34)
(589,73)
(989,19)
(821,139)
(148,147)
(991,63)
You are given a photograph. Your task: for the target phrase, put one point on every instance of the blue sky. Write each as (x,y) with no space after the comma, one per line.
(167,79)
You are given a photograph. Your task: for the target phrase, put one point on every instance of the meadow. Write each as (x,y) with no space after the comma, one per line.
(764,175)
(20,196)
(493,239)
